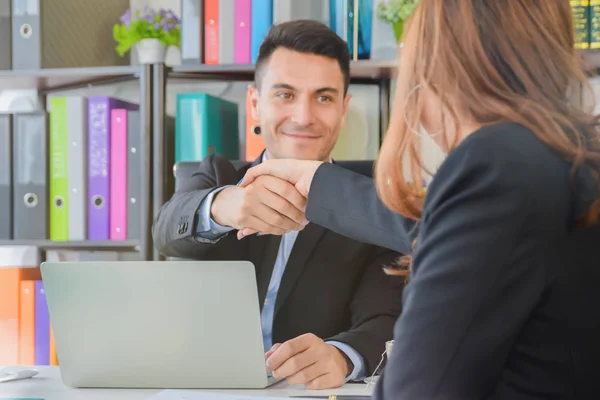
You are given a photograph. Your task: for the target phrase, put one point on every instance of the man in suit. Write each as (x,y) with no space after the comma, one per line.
(327,306)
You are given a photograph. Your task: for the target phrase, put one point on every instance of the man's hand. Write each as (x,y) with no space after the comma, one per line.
(299,173)
(308,360)
(269,205)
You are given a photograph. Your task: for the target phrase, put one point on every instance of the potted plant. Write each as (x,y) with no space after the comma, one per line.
(150,32)
(396,12)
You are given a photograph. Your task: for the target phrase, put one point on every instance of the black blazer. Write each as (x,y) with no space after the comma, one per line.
(333,286)
(503,301)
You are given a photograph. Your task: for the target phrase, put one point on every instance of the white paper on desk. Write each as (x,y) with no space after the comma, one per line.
(172,394)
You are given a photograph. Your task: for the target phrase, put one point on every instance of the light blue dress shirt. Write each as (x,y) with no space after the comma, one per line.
(209,229)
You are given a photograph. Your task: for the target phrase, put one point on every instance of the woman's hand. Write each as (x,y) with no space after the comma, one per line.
(299,173)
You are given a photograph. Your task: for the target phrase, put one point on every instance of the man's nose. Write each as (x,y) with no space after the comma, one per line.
(303,112)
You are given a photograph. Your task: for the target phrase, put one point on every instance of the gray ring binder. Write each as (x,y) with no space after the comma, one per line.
(26,30)
(30,200)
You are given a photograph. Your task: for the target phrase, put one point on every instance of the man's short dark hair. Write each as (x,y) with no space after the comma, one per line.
(304,36)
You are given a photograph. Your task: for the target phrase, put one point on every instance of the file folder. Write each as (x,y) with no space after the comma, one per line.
(6,212)
(5,35)
(352,20)
(134,168)
(59,170)
(10,286)
(42,326)
(117,179)
(27,323)
(77,151)
(98,173)
(290,10)
(243,32)
(255,144)
(192,31)
(30,176)
(205,124)
(227,31)
(262,19)
(211,31)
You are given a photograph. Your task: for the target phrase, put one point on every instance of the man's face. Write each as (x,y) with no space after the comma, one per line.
(300,105)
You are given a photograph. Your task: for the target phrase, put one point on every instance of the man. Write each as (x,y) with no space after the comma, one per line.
(327,307)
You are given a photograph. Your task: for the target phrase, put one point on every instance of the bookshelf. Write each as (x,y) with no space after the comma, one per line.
(50,81)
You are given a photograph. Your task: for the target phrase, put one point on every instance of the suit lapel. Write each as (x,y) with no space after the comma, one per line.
(303,248)
(264,249)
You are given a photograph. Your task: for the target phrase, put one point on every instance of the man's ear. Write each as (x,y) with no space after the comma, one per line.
(345,106)
(252,96)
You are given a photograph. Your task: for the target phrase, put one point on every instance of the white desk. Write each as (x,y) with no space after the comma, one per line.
(48,385)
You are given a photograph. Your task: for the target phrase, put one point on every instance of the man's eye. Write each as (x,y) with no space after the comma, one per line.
(325,98)
(285,95)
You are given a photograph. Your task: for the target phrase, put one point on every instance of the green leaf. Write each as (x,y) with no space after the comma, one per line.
(396,10)
(127,37)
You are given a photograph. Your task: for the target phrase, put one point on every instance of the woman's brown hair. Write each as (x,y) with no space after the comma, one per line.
(500,61)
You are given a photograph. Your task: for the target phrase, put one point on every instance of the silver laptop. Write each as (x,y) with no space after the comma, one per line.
(156,324)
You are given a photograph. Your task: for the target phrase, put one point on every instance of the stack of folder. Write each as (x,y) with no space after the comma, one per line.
(25,332)
(89,156)
(26,335)
(73,173)
(231,31)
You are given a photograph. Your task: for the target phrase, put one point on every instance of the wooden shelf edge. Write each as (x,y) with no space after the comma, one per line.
(361,69)
(109,245)
(57,79)
(365,69)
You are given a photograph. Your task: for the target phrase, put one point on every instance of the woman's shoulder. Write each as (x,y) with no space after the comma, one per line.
(510,146)
(499,158)
(506,151)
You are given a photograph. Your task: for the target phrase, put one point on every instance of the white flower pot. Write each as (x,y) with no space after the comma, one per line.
(150,51)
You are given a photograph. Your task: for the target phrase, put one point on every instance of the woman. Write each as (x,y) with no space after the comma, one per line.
(503,297)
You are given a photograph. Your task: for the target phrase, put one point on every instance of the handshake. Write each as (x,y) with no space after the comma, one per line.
(270,199)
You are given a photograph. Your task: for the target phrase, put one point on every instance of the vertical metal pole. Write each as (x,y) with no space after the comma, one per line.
(158,142)
(145,81)
(384,107)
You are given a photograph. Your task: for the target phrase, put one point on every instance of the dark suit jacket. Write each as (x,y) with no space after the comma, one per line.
(503,301)
(332,286)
